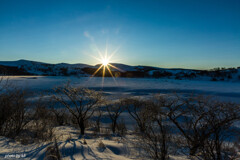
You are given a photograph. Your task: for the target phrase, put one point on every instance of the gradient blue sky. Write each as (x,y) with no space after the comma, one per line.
(166,33)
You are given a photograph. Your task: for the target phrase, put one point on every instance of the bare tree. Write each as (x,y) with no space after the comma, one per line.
(188,117)
(138,110)
(60,115)
(114,111)
(151,122)
(220,119)
(98,116)
(199,119)
(80,102)
(156,137)
(42,124)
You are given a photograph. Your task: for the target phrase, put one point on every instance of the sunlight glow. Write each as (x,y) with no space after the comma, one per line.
(105,64)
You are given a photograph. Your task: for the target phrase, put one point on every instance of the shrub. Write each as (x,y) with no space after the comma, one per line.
(106,132)
(42,123)
(121,128)
(14,115)
(203,123)
(80,102)
(156,138)
(60,116)
(114,111)
(153,135)
(138,110)
(97,119)
(101,146)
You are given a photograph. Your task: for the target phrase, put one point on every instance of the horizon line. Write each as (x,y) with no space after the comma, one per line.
(118,63)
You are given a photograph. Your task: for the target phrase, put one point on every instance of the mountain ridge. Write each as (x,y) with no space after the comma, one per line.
(27,67)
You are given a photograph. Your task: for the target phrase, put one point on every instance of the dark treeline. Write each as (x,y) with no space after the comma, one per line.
(216,74)
(9,70)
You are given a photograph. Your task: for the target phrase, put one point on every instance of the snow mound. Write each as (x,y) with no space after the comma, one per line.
(71,146)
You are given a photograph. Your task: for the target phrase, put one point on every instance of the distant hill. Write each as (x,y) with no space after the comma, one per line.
(25,67)
(39,68)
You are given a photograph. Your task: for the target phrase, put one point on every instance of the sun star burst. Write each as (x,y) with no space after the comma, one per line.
(106,65)
(105,62)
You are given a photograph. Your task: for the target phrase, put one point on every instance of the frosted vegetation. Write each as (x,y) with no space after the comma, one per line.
(81,120)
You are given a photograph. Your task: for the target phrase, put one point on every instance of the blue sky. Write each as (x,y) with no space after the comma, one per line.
(166,33)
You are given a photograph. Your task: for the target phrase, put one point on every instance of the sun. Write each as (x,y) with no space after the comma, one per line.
(105,62)
(106,65)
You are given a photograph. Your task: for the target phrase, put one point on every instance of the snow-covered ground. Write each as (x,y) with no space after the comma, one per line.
(71,146)
(223,90)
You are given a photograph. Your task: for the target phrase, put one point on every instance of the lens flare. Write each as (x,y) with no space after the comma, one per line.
(105,62)
(106,65)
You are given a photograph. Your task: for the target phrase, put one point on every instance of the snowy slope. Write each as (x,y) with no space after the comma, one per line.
(73,147)
(64,69)
(70,146)
(35,63)
(39,68)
